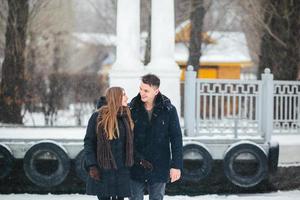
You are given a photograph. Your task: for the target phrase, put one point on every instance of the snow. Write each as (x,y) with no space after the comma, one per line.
(67,117)
(229,47)
(288,139)
(287,195)
(289,145)
(71,132)
(42,133)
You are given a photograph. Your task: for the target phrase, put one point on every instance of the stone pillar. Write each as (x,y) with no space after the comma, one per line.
(190,102)
(127,69)
(267,98)
(162,50)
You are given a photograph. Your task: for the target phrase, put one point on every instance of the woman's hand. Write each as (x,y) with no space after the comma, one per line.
(94,173)
(147,165)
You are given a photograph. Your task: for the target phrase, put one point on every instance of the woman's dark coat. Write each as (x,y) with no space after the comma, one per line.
(152,139)
(112,182)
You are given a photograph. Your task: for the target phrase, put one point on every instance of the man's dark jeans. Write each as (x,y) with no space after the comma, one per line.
(156,190)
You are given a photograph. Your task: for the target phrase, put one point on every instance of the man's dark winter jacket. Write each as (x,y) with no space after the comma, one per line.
(155,140)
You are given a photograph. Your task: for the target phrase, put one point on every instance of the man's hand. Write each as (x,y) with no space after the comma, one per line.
(147,165)
(94,173)
(175,174)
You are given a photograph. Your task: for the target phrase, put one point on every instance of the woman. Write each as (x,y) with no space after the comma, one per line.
(108,146)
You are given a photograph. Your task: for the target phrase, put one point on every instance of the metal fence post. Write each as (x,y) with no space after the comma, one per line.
(190,101)
(267,104)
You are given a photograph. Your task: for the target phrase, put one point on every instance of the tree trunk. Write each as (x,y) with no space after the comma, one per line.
(196,19)
(280,47)
(30,74)
(13,74)
(147,56)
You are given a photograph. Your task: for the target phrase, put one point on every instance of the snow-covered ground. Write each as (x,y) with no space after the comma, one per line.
(290,195)
(69,117)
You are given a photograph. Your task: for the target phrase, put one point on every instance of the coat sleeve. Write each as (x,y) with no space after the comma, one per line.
(90,142)
(176,140)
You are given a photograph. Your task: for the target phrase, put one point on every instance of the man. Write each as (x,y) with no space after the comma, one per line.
(156,126)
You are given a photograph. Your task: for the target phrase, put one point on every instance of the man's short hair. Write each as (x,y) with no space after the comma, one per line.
(151,79)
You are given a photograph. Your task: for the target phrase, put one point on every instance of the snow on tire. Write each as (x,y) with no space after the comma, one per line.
(80,166)
(46,164)
(6,161)
(197,162)
(245,164)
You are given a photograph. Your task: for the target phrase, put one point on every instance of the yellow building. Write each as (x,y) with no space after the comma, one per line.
(224,54)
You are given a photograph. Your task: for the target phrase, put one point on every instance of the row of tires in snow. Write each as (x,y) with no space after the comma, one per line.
(245,163)
(45,164)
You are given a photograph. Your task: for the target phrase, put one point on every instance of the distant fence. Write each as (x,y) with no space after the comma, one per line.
(286,118)
(241,108)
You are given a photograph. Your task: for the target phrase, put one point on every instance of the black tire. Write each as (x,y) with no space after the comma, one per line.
(273,156)
(204,165)
(258,161)
(54,157)
(80,166)
(6,162)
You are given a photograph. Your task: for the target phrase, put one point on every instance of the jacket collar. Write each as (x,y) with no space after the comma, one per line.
(160,102)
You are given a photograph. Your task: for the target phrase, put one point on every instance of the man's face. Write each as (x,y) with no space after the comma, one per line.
(148,92)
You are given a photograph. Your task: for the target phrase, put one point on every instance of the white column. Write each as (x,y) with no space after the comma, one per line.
(162,35)
(128,35)
(190,102)
(267,104)
(162,50)
(127,69)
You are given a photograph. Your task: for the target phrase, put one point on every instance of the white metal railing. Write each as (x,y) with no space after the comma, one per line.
(241,108)
(228,107)
(286,107)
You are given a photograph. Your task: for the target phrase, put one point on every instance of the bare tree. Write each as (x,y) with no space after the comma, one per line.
(101,18)
(13,68)
(20,16)
(274,28)
(146,27)
(280,47)
(3,16)
(197,17)
(204,16)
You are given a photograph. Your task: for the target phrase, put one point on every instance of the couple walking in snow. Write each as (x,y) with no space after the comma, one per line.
(132,146)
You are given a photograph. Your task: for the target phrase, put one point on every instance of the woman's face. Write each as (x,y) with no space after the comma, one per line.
(124,99)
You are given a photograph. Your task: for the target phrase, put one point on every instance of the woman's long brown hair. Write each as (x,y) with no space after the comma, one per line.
(108,113)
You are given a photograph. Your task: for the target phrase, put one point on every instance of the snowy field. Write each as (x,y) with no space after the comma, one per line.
(69,117)
(290,195)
